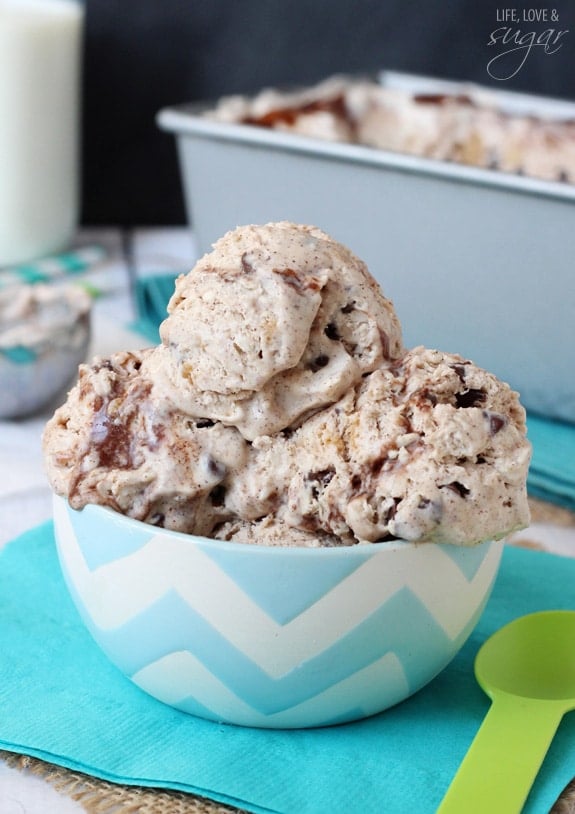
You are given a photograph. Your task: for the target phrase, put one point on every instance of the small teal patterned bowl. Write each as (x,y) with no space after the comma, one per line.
(53,334)
(270,637)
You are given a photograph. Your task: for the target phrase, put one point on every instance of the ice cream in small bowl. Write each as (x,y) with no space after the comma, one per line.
(279,516)
(44,335)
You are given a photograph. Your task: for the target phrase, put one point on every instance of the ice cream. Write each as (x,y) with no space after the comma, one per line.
(116,443)
(299,321)
(33,316)
(280,408)
(469,127)
(44,335)
(428,448)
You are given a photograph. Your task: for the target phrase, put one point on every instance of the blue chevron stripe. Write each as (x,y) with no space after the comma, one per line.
(107,539)
(193,707)
(276,581)
(467,558)
(379,686)
(397,624)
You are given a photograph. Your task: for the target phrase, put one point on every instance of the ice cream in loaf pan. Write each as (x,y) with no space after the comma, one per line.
(281,408)
(464,127)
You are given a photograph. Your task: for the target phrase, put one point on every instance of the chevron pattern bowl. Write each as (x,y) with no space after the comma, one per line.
(270,637)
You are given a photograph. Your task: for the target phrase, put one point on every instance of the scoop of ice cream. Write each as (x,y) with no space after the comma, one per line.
(114,444)
(276,322)
(432,448)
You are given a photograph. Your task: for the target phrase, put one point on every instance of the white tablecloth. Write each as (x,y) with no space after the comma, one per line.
(22,793)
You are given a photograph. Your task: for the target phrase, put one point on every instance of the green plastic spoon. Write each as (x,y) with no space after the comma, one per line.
(527,668)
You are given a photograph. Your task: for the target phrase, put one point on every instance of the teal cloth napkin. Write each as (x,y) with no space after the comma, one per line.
(152,295)
(62,701)
(552,470)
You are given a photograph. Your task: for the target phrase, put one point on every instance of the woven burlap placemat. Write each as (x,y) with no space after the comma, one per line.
(102,797)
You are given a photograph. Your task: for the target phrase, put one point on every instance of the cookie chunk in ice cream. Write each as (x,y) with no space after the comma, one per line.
(281,409)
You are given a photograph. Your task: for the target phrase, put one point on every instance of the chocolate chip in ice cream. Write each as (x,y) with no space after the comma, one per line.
(473,397)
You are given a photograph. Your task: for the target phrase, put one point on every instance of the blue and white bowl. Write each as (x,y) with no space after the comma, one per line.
(270,637)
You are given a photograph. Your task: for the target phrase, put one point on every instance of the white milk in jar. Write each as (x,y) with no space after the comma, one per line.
(40,48)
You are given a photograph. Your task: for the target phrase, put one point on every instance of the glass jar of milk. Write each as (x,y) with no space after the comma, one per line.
(40,52)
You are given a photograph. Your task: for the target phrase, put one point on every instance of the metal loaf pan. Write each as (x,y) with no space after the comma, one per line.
(476,261)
